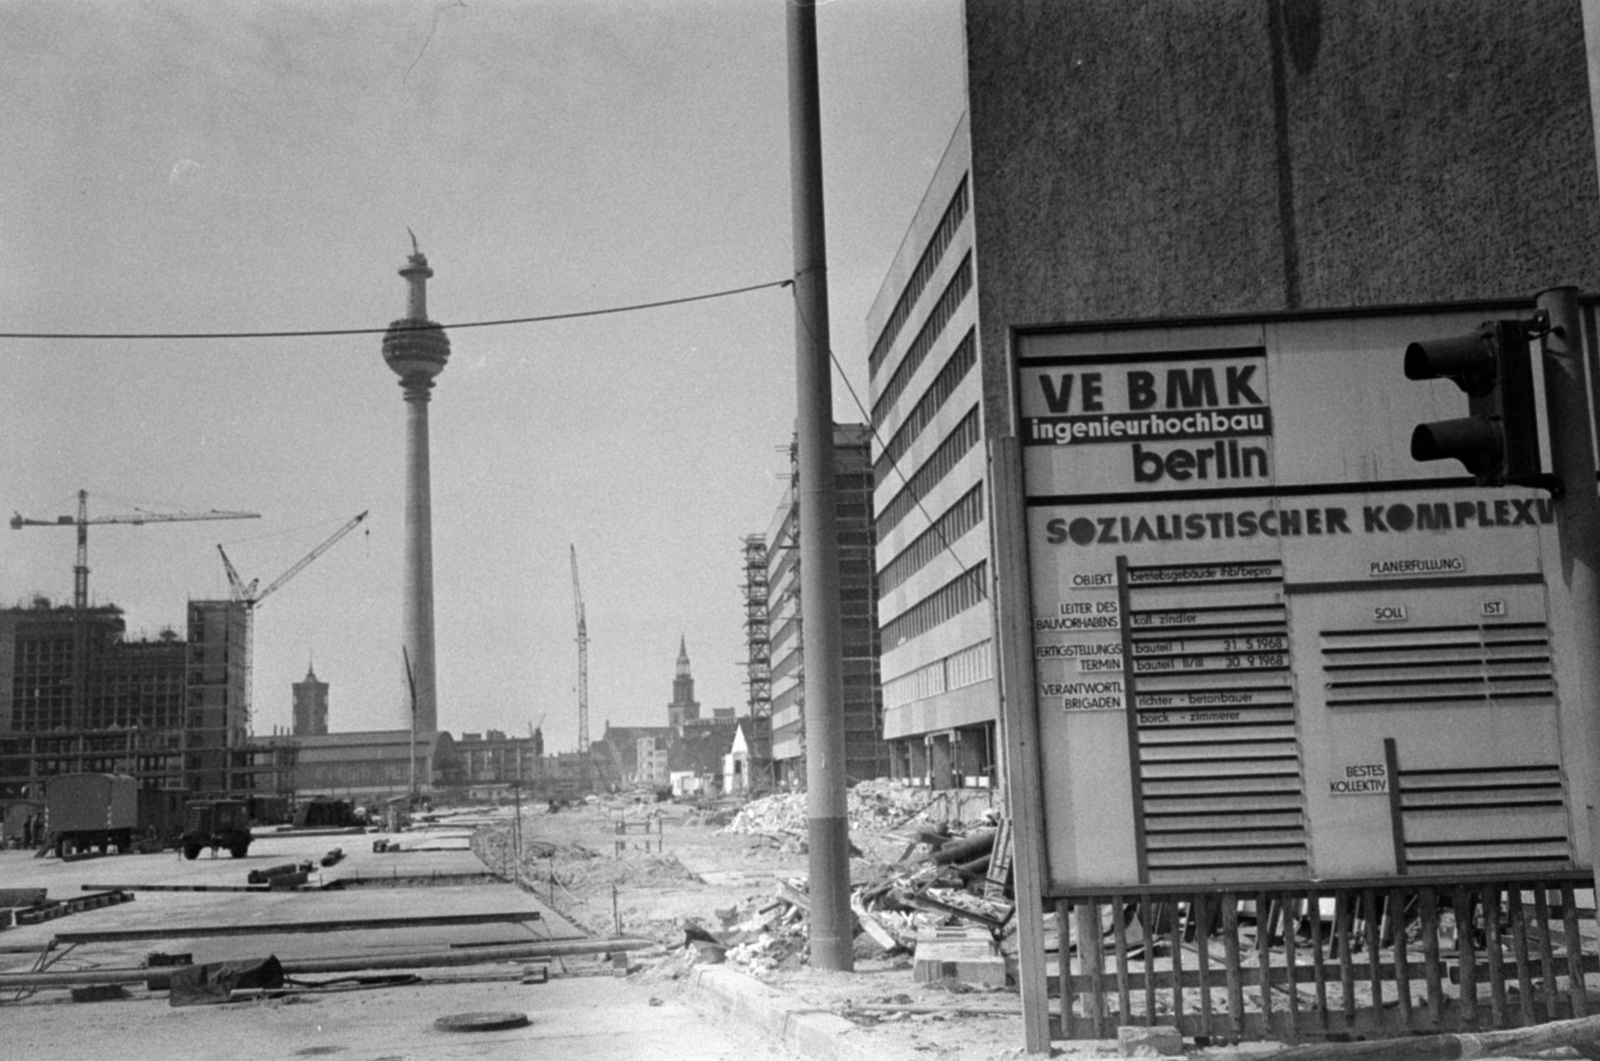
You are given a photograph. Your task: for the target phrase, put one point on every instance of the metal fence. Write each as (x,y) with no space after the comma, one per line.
(1325,961)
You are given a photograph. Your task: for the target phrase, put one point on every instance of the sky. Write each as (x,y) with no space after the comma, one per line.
(196,167)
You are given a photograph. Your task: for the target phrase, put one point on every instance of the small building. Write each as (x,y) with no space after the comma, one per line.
(374,764)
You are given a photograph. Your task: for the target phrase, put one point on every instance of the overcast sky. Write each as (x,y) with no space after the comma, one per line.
(223,167)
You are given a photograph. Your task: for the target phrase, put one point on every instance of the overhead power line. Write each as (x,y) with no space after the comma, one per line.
(397,327)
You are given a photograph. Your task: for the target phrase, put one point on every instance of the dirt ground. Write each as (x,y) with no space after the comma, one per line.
(680,868)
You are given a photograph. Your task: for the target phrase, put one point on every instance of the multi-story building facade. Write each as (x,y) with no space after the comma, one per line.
(940,700)
(866,754)
(172,711)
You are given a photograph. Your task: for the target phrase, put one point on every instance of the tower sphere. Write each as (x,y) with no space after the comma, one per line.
(414,347)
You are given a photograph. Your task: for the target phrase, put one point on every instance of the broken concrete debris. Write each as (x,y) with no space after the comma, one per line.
(937,885)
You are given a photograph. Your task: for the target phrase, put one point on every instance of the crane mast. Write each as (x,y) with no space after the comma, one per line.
(583,660)
(250,597)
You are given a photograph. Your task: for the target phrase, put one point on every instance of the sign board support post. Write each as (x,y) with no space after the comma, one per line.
(1577,514)
(1020,735)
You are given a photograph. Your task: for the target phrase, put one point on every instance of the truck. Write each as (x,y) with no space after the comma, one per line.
(216,823)
(91,811)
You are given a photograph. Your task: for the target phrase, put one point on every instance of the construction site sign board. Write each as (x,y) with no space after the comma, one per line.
(1252,608)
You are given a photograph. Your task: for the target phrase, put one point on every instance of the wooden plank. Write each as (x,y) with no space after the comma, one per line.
(1290,966)
(1397,821)
(1264,955)
(1430,955)
(1319,974)
(1343,918)
(1577,992)
(1463,904)
(1506,824)
(1202,947)
(1493,944)
(1402,965)
(370,924)
(1230,944)
(1090,960)
(1371,912)
(1070,1022)
(1518,923)
(1547,958)
(1147,918)
(1234,841)
(1177,966)
(1119,940)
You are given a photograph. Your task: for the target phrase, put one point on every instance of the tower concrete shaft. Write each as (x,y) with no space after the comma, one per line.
(417,350)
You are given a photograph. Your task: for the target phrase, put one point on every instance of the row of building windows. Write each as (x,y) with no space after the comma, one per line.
(954,597)
(927,407)
(917,352)
(970,665)
(954,522)
(934,469)
(937,244)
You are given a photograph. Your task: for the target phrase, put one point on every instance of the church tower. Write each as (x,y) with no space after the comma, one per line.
(684,707)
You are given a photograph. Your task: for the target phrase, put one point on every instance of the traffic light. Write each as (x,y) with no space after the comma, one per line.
(1499,440)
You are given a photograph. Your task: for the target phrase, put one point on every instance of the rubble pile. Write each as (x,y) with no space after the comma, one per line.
(941,880)
(871,806)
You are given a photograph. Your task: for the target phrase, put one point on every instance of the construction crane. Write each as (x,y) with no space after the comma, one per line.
(583,660)
(80,575)
(250,597)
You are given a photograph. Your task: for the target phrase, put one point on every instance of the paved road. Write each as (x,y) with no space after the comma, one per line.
(166,909)
(577,1019)
(582,1013)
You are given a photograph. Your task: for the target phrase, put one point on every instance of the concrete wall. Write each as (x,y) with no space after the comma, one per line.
(1135,159)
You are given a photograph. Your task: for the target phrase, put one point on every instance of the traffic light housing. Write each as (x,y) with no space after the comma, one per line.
(1498,441)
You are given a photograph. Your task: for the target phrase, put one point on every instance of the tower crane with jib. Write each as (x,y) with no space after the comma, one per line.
(80,576)
(249,596)
(583,660)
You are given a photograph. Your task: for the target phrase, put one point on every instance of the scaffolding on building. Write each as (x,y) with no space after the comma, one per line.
(758,663)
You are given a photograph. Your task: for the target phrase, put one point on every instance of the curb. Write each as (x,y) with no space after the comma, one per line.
(812,1033)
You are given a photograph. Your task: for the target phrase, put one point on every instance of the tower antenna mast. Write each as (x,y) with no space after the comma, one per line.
(583,660)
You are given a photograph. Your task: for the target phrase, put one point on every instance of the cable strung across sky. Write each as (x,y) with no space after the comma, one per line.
(388,328)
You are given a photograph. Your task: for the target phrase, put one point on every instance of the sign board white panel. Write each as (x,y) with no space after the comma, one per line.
(1267,644)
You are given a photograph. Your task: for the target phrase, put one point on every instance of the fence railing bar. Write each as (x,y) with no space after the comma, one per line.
(1402,966)
(1495,946)
(1518,920)
(1547,958)
(1090,957)
(1371,912)
(1119,945)
(1151,925)
(1466,957)
(1235,980)
(1344,926)
(1177,967)
(1430,955)
(1069,1021)
(1314,908)
(1202,949)
(1264,956)
(1289,958)
(1577,992)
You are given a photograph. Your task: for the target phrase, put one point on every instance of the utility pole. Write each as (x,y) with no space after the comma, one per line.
(1577,511)
(831,943)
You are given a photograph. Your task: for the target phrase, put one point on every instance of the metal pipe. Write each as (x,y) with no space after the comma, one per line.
(158,979)
(831,942)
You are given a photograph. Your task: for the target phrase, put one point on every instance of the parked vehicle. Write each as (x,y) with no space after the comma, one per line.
(217,824)
(91,811)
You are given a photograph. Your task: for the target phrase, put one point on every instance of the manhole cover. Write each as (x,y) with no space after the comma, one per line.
(481,1022)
